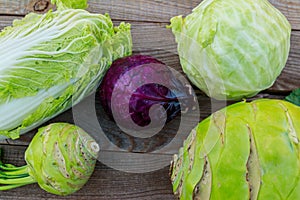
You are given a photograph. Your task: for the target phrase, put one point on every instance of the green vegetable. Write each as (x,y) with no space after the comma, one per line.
(60,158)
(65,4)
(232,49)
(50,62)
(244,151)
(294,97)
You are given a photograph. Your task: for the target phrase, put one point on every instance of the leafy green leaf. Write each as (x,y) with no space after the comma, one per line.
(75,4)
(294,97)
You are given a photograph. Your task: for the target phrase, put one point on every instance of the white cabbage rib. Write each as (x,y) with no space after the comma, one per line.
(15,111)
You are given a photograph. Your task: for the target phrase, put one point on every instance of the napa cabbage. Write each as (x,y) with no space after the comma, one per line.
(50,62)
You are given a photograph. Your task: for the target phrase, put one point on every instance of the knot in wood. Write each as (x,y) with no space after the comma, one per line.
(41,5)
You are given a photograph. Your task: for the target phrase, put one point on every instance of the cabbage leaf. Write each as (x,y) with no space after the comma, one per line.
(52,61)
(294,97)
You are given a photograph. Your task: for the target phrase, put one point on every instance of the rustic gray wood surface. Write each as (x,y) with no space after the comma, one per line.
(150,37)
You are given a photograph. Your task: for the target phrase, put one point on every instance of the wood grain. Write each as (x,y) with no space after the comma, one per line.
(206,107)
(156,40)
(291,9)
(104,184)
(150,37)
(289,78)
(145,10)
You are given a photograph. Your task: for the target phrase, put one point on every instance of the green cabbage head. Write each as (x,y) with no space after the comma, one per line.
(232,49)
(52,61)
(244,151)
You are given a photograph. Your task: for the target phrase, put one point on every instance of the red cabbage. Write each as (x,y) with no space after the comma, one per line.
(147,70)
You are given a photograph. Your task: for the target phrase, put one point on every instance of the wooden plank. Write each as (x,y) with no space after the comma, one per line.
(155,40)
(140,10)
(163,11)
(105,183)
(291,9)
(13,7)
(289,78)
(150,37)
(206,107)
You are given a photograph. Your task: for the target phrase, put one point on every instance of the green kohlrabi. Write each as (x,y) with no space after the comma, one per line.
(52,61)
(232,49)
(244,151)
(60,158)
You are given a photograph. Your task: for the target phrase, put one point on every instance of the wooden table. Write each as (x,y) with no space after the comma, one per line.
(150,37)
